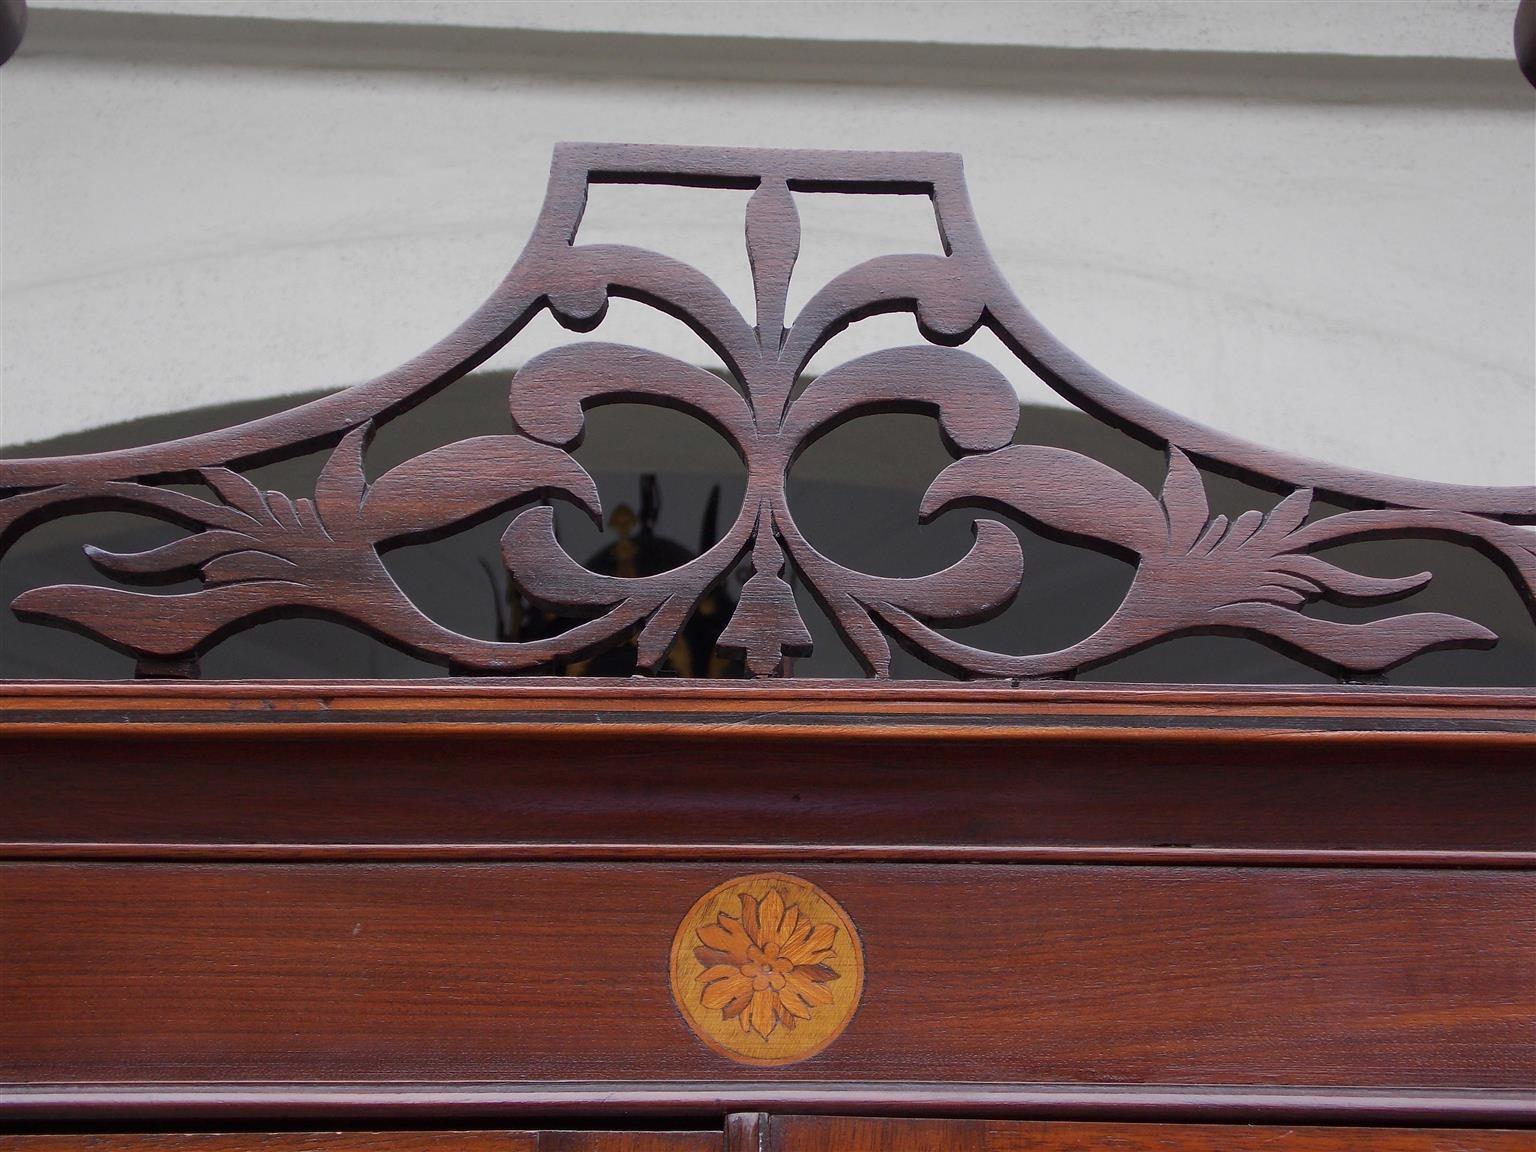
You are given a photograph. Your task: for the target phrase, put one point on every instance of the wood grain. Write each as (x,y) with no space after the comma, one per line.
(840,1134)
(808,710)
(476,771)
(266,902)
(263,554)
(556,1141)
(648,795)
(979,974)
(461,1141)
(818,1134)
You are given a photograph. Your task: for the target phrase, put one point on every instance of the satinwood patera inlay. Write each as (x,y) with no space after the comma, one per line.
(767,969)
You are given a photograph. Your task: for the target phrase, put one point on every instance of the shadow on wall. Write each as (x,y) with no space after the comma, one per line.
(855,494)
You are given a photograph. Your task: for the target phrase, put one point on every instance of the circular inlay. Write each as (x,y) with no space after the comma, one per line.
(767,969)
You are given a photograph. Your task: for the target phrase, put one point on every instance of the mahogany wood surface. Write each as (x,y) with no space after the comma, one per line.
(844,1134)
(611,772)
(470,796)
(455,900)
(818,1134)
(51,1106)
(462,1141)
(706,710)
(975,973)
(1045,901)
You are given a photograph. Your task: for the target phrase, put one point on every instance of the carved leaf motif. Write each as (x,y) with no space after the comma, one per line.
(1350,587)
(547,574)
(976,587)
(1061,490)
(290,553)
(273,534)
(674,287)
(773,244)
(1184,501)
(976,406)
(947,297)
(340,486)
(249,565)
(1283,519)
(177,506)
(1194,573)
(1366,647)
(139,622)
(467,479)
(661,631)
(173,560)
(550,392)
(236,491)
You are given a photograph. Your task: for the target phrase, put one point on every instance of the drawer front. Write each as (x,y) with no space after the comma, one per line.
(840,1134)
(158,792)
(506,973)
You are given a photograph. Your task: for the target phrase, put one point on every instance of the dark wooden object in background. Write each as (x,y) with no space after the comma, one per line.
(1525,39)
(529,974)
(13,27)
(263,554)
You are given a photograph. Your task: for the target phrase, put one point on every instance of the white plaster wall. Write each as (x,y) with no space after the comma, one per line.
(1428,28)
(1330,253)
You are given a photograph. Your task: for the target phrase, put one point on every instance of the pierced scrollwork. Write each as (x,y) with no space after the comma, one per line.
(261,554)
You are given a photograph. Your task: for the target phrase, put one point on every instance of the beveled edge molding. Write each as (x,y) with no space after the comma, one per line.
(804,710)
(94,1102)
(584,852)
(839,717)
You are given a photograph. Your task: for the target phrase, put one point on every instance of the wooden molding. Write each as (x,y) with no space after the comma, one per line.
(809,710)
(166,1103)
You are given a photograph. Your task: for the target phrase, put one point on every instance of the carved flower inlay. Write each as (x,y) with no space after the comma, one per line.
(766,967)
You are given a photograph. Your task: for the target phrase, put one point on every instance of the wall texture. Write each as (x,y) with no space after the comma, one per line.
(1309,223)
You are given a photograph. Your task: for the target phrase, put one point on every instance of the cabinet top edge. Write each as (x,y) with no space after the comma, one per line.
(839,710)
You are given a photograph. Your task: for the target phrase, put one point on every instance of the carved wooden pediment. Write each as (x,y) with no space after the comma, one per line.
(264,554)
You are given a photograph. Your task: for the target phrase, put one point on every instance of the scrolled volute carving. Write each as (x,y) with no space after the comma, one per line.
(261,554)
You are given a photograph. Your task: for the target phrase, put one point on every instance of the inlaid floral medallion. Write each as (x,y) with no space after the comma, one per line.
(767,969)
